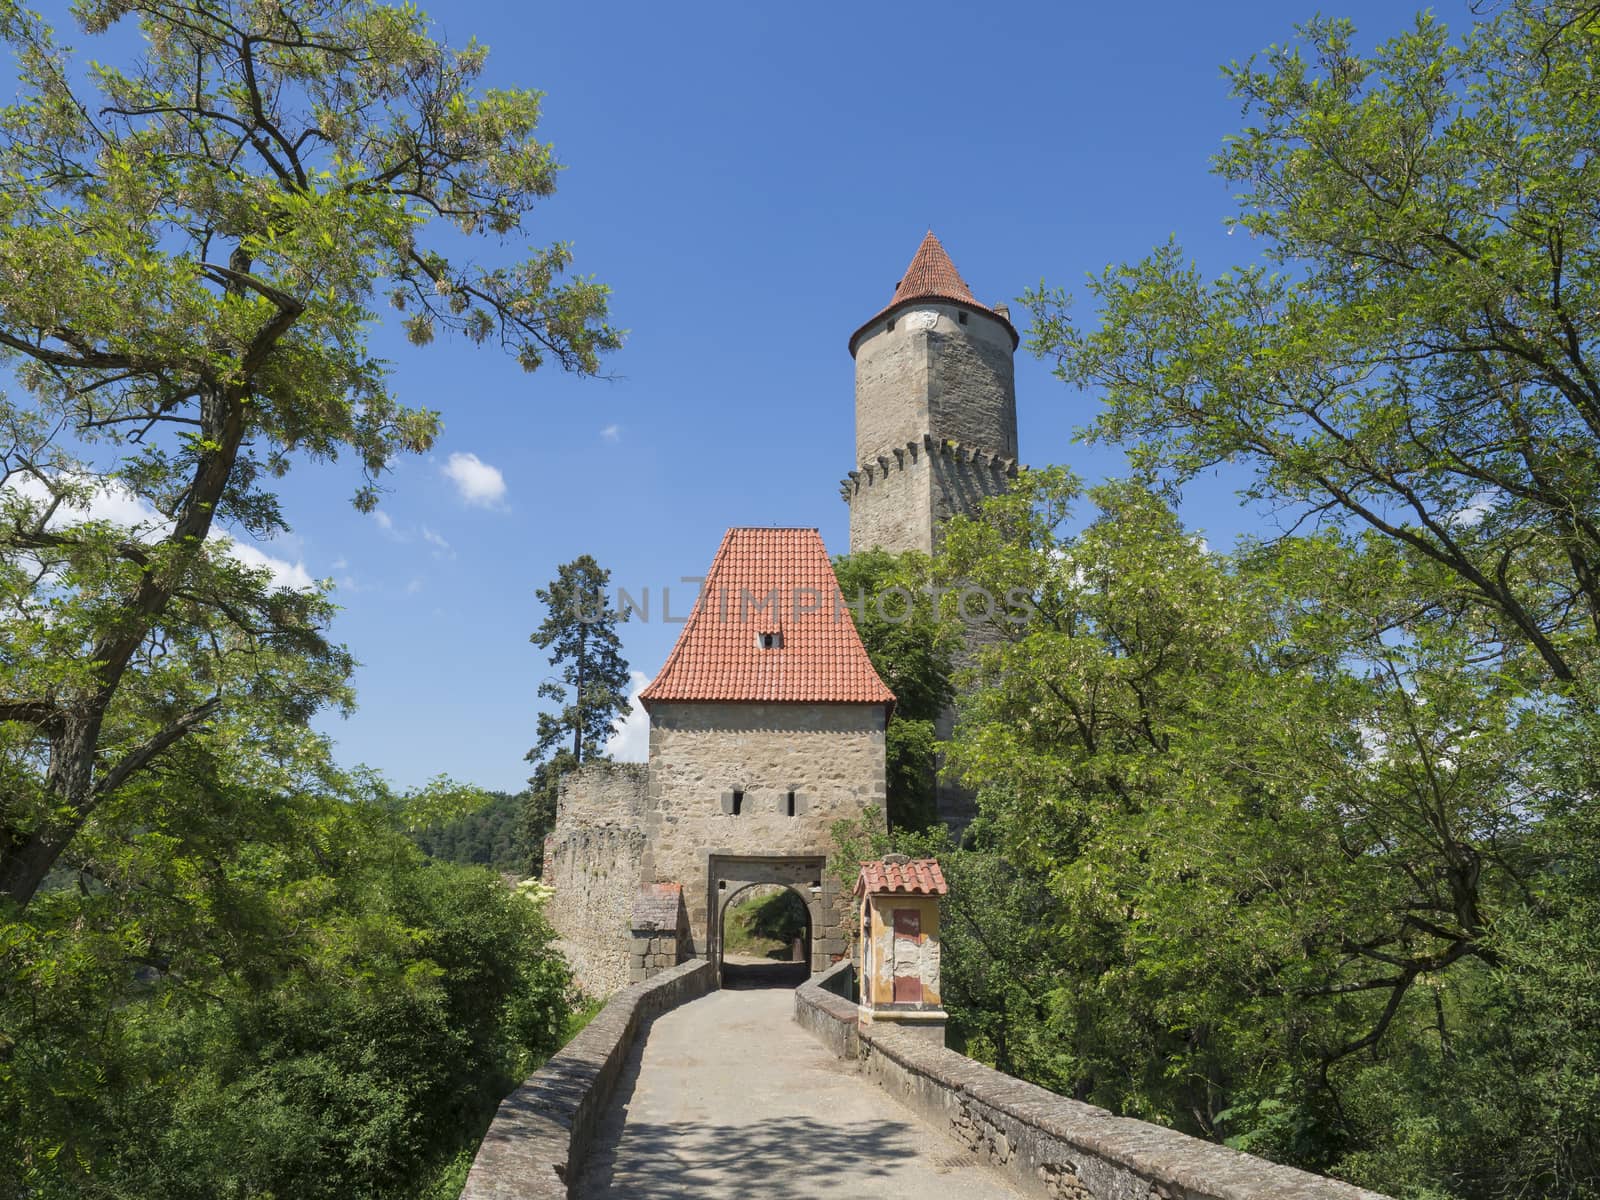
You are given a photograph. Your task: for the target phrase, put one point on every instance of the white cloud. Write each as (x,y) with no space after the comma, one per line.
(118,504)
(612,432)
(1476,510)
(476,481)
(384,520)
(107,501)
(441,548)
(284,574)
(413,587)
(630,739)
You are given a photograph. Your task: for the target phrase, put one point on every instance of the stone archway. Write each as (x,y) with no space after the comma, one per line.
(729,875)
(773,972)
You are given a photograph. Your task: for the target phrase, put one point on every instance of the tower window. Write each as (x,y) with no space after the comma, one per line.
(889,328)
(789,803)
(770,641)
(962,317)
(738,800)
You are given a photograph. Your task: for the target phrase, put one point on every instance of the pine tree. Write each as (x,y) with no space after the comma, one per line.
(590,691)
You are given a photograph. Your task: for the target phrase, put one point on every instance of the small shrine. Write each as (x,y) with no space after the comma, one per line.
(898,899)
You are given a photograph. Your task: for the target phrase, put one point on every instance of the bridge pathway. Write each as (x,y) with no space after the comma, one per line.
(728,1097)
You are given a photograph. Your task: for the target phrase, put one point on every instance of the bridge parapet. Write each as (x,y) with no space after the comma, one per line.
(1046,1145)
(542,1132)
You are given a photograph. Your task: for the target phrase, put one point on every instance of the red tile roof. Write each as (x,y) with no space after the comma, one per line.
(932,276)
(917,877)
(769,581)
(656,905)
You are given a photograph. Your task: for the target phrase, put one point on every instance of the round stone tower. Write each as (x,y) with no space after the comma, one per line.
(936,407)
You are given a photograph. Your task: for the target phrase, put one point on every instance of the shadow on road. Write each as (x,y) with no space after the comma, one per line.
(794,1159)
(764,975)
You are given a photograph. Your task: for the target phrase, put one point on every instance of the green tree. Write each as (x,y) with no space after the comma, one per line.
(1412,373)
(1417,359)
(490,836)
(1283,833)
(911,650)
(196,231)
(580,632)
(249,990)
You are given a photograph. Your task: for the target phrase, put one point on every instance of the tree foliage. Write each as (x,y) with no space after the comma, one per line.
(196,233)
(1422,364)
(911,650)
(489,836)
(238,991)
(1315,819)
(1280,852)
(591,689)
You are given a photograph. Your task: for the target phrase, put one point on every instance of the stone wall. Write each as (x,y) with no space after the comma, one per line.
(890,502)
(660,936)
(830,755)
(942,369)
(592,861)
(1047,1145)
(900,498)
(542,1132)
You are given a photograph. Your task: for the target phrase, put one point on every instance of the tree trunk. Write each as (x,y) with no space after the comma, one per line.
(70,782)
(28,857)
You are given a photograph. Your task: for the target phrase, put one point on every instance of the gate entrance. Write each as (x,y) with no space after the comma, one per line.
(765,937)
(735,878)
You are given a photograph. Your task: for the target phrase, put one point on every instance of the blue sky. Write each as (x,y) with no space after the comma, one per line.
(751,180)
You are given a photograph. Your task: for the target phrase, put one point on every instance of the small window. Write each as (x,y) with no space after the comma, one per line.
(962,317)
(889,328)
(789,803)
(770,641)
(738,800)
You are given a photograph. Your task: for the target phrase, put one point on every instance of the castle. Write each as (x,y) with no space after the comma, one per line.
(767,721)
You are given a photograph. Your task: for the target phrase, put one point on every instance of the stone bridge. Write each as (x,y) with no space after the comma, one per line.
(679,1088)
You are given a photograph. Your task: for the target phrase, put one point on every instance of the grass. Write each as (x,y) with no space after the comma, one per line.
(764,926)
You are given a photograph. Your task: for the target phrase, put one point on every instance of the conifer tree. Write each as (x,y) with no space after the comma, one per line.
(590,690)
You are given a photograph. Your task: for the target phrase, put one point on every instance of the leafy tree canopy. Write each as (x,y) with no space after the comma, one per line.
(1316,818)
(1417,357)
(197,232)
(911,648)
(1279,860)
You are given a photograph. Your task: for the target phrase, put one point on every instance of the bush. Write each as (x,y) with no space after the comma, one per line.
(335,1018)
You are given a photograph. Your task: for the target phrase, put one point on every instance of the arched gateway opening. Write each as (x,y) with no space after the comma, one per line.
(765,937)
(774,902)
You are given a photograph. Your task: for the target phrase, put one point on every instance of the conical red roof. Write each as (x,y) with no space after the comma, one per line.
(932,276)
(770,581)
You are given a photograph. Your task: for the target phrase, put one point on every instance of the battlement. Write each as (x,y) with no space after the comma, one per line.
(900,458)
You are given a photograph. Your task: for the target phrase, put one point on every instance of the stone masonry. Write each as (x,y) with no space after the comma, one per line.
(591,860)
(660,935)
(831,756)
(936,427)
(766,727)
(767,721)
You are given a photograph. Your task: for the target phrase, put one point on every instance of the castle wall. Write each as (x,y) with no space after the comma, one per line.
(901,499)
(890,503)
(830,755)
(592,859)
(972,391)
(933,374)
